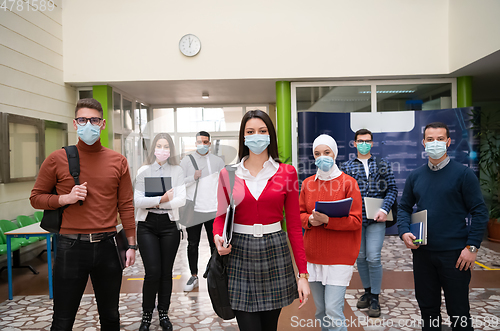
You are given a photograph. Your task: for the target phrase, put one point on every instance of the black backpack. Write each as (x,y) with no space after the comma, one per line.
(216,273)
(52,219)
(394,206)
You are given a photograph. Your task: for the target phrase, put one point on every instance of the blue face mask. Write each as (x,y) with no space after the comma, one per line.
(324,163)
(435,149)
(364,148)
(89,133)
(202,149)
(257,143)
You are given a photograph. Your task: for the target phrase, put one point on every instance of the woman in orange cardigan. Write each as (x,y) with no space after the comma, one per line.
(331,243)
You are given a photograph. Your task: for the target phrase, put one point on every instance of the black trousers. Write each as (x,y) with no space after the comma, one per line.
(75,261)
(193,237)
(158,240)
(258,321)
(433,271)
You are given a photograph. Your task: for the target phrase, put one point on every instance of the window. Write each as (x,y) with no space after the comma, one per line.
(22,148)
(24,143)
(56,136)
(413,97)
(336,99)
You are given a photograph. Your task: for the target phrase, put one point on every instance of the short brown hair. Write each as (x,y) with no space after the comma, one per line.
(272,149)
(361,132)
(90,103)
(438,125)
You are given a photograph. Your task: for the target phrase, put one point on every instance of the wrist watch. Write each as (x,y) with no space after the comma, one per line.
(306,276)
(472,249)
(134,247)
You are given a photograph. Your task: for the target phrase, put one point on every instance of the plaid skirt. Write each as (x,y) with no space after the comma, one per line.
(260,273)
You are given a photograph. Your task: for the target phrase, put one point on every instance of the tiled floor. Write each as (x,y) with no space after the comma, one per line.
(31,308)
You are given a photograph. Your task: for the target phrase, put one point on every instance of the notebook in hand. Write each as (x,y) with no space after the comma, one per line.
(339,208)
(420,217)
(227,233)
(372,206)
(121,244)
(417,229)
(157,186)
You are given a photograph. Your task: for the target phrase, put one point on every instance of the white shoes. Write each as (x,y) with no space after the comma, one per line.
(191,284)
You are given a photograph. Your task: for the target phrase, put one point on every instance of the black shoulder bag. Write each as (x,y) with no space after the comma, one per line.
(187,211)
(216,273)
(394,206)
(52,219)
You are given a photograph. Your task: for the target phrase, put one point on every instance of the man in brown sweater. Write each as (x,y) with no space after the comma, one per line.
(85,244)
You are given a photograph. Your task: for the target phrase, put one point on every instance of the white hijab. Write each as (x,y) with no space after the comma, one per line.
(334,171)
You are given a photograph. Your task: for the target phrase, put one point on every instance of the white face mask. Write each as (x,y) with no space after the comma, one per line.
(162,154)
(435,149)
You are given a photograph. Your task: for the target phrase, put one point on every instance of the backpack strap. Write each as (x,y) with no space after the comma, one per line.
(378,162)
(195,168)
(74,164)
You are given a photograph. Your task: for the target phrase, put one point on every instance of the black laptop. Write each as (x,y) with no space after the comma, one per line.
(157,186)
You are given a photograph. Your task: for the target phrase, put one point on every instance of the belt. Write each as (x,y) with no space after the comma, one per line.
(258,230)
(90,237)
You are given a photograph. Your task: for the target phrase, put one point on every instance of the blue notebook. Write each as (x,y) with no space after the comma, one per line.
(417,229)
(339,208)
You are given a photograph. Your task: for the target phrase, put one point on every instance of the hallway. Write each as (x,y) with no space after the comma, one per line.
(31,308)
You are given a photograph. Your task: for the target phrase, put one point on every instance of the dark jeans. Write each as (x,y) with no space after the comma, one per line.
(258,321)
(194,235)
(158,240)
(433,271)
(75,261)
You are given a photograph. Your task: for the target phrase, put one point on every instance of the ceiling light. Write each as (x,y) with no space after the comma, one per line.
(204,95)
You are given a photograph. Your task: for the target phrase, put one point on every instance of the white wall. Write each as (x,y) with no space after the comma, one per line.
(31,83)
(474,31)
(127,40)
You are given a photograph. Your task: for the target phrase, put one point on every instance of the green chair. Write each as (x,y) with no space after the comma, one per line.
(16,244)
(6,226)
(3,246)
(23,221)
(38,215)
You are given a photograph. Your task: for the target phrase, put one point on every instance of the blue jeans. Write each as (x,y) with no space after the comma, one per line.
(369,261)
(75,261)
(329,301)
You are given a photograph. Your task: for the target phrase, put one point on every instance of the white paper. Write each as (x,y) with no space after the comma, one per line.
(372,207)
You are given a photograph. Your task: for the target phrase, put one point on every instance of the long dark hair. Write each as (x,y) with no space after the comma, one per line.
(272,149)
(173,159)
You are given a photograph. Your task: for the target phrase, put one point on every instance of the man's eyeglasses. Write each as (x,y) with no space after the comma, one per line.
(83,120)
(364,141)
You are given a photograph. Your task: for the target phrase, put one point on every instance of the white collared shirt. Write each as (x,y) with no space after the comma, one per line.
(258,183)
(440,165)
(210,166)
(142,203)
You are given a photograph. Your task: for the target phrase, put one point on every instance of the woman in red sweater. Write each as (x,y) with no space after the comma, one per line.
(331,243)
(260,269)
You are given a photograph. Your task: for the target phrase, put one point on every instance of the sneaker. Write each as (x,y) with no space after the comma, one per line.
(363,301)
(191,284)
(374,309)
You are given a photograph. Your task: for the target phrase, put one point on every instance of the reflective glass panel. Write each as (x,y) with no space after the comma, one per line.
(194,119)
(336,99)
(117,112)
(24,150)
(128,123)
(163,120)
(413,97)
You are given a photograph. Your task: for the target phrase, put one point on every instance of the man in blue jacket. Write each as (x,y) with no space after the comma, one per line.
(375,183)
(449,191)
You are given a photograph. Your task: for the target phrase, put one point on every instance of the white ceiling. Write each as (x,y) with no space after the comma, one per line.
(485,72)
